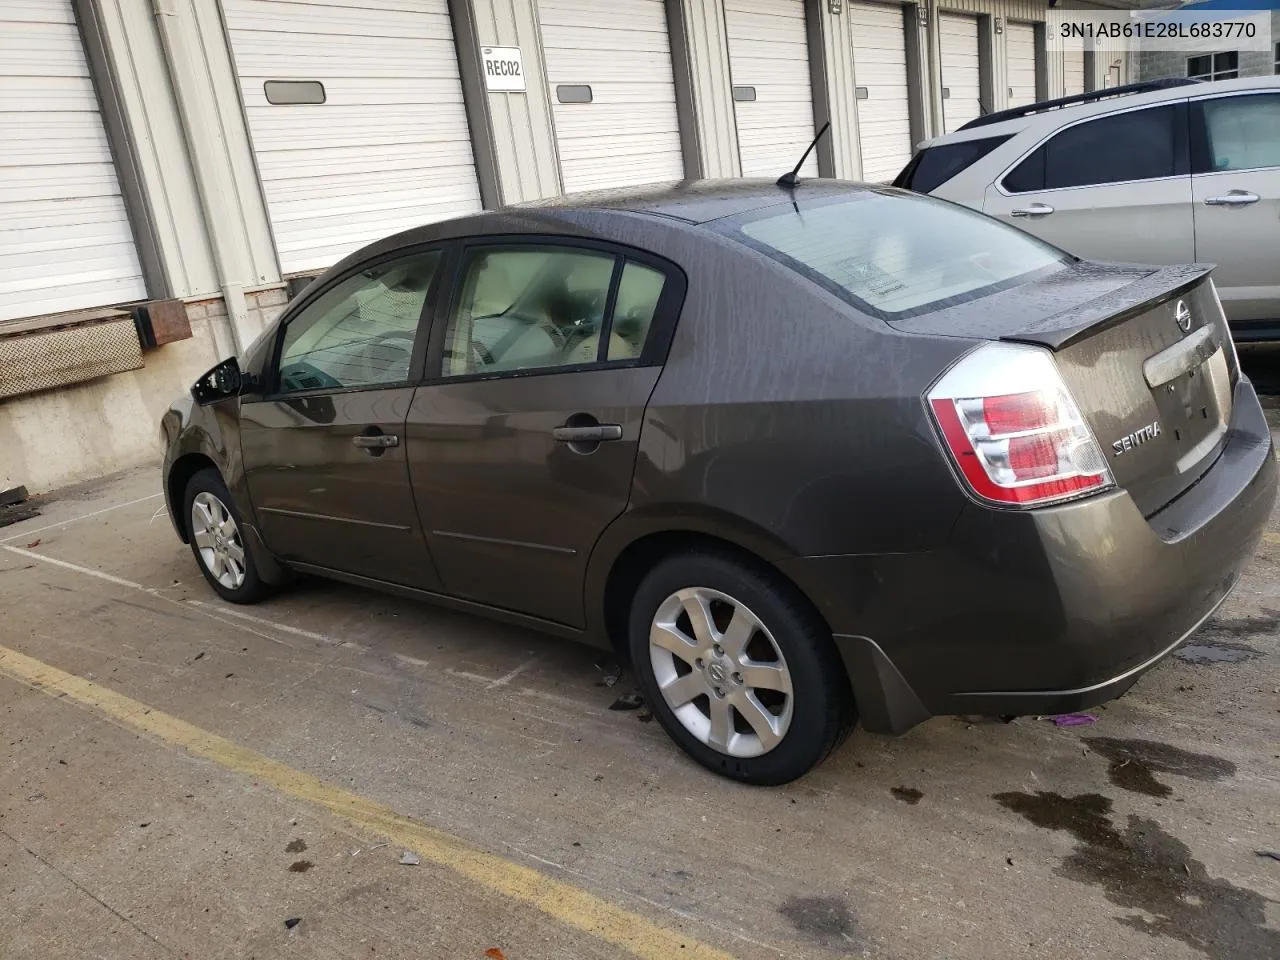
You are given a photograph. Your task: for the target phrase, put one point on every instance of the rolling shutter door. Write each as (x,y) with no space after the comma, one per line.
(388,149)
(1020,59)
(769,55)
(1072,72)
(880,67)
(961,86)
(65,239)
(616,64)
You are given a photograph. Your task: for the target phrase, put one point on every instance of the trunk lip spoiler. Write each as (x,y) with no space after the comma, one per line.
(1060,330)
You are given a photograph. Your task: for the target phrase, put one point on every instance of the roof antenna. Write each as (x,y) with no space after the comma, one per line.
(792,178)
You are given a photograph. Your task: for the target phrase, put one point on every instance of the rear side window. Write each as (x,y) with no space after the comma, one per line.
(895,255)
(1138,145)
(934,166)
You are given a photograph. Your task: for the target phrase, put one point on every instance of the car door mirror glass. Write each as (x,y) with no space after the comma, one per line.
(222,382)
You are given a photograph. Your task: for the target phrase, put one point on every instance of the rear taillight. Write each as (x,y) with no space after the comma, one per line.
(1013,429)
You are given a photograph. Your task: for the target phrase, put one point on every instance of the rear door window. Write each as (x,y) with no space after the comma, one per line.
(934,166)
(1137,145)
(896,255)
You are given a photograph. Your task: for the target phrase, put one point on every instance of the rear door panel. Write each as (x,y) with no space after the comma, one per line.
(511,513)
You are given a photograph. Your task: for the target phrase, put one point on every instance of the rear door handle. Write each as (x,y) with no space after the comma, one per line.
(376,441)
(1235,198)
(596,433)
(1033,210)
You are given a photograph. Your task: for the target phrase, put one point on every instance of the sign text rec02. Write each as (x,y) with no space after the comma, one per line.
(503,69)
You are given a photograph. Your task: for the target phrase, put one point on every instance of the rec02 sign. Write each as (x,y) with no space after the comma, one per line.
(503,69)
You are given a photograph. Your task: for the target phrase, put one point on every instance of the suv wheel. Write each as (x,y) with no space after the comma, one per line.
(214,530)
(737,668)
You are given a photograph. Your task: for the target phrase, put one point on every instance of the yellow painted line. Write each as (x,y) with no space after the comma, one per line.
(1270,537)
(564,902)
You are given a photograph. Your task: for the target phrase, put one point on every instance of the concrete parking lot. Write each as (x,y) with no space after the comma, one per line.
(181,778)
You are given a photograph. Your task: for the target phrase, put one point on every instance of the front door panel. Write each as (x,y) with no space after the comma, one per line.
(510,512)
(323,499)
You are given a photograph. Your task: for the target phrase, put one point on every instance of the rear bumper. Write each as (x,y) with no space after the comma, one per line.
(1045,611)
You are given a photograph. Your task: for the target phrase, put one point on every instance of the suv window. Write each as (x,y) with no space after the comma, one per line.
(1138,145)
(537,306)
(895,255)
(1240,133)
(934,166)
(360,332)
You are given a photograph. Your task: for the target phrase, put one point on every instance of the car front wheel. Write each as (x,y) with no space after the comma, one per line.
(218,541)
(738,668)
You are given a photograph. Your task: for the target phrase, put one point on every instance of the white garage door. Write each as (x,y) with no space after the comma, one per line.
(612,92)
(388,149)
(961,86)
(1020,59)
(65,241)
(1072,72)
(773,98)
(880,69)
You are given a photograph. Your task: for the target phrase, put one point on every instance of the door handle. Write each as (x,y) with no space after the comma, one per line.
(376,441)
(1033,210)
(596,433)
(1234,198)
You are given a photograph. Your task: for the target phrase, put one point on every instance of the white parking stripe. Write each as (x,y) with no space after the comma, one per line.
(263,622)
(87,571)
(84,516)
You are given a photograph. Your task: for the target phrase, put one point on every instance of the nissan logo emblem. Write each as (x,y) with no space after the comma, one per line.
(1182,313)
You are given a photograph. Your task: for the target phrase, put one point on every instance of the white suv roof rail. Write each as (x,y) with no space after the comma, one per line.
(1145,86)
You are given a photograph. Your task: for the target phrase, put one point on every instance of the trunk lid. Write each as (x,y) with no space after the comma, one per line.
(1145,352)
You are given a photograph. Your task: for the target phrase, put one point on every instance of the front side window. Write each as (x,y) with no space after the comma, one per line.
(539,306)
(361,331)
(1214,66)
(896,255)
(1240,133)
(1137,145)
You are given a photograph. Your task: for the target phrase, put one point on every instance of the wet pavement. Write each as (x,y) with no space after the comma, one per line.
(192,820)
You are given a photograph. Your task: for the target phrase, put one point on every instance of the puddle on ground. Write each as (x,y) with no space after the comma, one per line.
(1134,764)
(1240,626)
(1144,868)
(823,918)
(1209,652)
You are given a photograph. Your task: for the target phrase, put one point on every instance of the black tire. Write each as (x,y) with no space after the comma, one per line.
(252,588)
(822,709)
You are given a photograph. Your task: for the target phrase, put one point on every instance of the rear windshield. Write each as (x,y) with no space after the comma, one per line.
(934,166)
(896,255)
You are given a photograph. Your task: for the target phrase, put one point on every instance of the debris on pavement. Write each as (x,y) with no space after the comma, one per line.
(292,922)
(645,716)
(1074,719)
(493,953)
(1268,853)
(33,544)
(628,701)
(410,859)
(612,671)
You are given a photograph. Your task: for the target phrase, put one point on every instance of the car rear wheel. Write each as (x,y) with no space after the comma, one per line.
(216,534)
(738,668)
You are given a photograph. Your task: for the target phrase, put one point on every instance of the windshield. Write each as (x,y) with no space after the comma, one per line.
(896,255)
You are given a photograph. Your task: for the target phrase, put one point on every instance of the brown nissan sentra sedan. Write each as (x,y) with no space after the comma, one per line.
(807,455)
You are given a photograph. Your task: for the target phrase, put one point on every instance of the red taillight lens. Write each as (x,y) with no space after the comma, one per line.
(1016,445)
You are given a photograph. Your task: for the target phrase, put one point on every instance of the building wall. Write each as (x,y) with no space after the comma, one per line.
(171,97)
(1159,64)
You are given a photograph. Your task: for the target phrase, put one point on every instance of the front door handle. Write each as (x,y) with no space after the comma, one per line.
(1234,198)
(376,441)
(1033,210)
(596,433)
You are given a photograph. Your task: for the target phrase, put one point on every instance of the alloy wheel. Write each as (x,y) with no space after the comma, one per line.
(217,538)
(721,672)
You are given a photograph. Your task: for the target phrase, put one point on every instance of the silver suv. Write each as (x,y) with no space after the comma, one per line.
(1166,172)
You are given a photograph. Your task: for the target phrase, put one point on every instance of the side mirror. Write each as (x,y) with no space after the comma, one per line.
(222,382)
